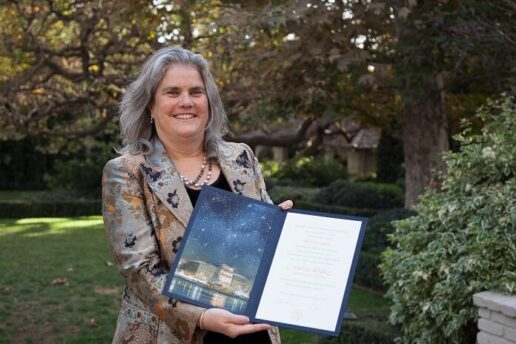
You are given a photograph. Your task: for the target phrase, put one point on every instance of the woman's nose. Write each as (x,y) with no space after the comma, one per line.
(186,100)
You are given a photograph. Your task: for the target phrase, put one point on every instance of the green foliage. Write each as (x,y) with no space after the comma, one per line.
(379,227)
(462,240)
(305,171)
(79,177)
(49,205)
(368,273)
(361,195)
(78,173)
(295,193)
(390,159)
(355,333)
(20,159)
(335,209)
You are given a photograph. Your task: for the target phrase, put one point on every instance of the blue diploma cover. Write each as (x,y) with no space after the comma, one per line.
(290,268)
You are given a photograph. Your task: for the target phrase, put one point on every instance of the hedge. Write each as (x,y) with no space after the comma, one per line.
(361,195)
(367,273)
(19,209)
(380,226)
(294,193)
(306,171)
(370,329)
(327,208)
(355,333)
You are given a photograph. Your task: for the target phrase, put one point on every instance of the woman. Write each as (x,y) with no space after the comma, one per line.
(172,121)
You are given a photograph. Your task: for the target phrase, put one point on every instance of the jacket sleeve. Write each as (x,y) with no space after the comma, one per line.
(259,180)
(135,249)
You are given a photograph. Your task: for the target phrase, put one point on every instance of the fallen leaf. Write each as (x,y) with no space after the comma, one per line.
(108,263)
(70,269)
(59,281)
(105,290)
(93,322)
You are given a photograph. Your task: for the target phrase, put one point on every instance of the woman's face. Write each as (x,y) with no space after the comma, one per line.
(180,108)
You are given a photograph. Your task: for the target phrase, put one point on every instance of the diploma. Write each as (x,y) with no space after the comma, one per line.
(288,268)
(310,271)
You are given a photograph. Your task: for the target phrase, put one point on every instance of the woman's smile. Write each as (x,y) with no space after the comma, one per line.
(184,116)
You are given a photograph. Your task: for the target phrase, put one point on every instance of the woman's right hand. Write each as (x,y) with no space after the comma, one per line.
(232,325)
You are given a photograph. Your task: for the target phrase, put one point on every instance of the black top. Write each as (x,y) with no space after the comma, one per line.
(220,183)
(261,337)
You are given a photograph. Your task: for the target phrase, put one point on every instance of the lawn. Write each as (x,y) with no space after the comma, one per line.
(58,284)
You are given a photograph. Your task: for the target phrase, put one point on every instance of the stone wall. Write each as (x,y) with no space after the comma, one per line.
(496,318)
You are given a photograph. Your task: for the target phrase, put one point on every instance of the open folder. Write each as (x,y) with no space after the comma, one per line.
(287,268)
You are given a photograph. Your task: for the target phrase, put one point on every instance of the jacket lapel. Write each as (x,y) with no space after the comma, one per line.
(163,178)
(237,165)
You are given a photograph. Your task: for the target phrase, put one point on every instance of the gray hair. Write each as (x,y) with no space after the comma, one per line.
(135,125)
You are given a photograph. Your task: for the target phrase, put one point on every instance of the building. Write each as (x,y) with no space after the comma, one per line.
(200,270)
(223,276)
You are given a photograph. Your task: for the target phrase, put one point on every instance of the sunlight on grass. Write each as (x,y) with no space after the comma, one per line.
(34,227)
(67,222)
(57,266)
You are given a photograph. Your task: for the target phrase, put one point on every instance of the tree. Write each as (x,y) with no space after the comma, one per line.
(66,63)
(420,64)
(423,64)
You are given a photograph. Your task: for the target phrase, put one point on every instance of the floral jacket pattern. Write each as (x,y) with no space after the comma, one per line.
(146,209)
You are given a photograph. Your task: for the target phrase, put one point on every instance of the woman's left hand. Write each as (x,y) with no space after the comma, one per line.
(286,205)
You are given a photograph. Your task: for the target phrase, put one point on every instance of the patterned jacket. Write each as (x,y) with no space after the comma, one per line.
(146,209)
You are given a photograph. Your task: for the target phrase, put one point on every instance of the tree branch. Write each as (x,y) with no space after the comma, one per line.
(268,140)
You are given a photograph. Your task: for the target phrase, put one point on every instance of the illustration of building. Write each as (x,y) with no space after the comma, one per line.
(223,275)
(200,270)
(241,285)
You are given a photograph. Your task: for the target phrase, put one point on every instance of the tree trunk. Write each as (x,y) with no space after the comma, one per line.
(425,139)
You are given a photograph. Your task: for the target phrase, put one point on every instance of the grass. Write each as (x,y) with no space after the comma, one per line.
(57,288)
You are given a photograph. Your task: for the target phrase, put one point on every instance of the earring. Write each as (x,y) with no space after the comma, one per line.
(152,120)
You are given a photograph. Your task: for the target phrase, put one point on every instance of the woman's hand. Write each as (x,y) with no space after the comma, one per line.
(232,325)
(286,205)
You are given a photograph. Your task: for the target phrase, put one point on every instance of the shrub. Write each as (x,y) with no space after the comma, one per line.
(379,227)
(335,209)
(305,171)
(20,159)
(368,273)
(462,240)
(361,195)
(352,334)
(47,208)
(77,177)
(281,193)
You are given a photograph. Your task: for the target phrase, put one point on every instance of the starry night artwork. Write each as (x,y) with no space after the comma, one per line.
(226,239)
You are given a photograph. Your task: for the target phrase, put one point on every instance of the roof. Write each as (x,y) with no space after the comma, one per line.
(367,138)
